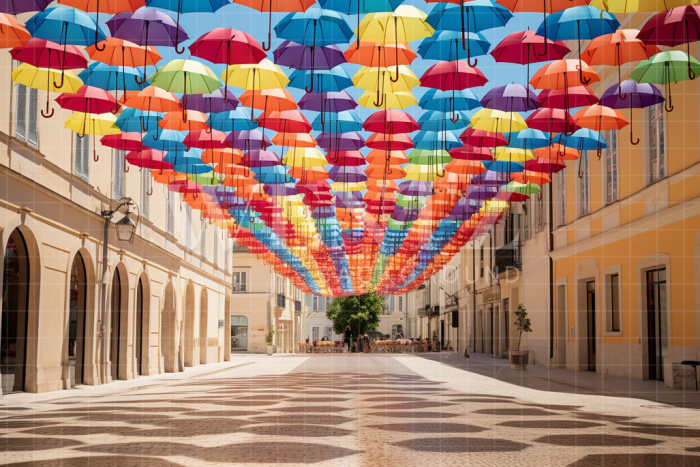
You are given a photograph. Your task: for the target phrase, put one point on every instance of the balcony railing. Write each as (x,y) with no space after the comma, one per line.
(509,256)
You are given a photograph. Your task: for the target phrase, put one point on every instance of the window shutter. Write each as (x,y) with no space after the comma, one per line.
(118,179)
(145,188)
(21,116)
(32,130)
(78,155)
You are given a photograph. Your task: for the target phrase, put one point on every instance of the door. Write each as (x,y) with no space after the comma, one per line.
(590,324)
(506,326)
(442,334)
(76,320)
(491,336)
(15,314)
(239,333)
(115,328)
(657,341)
(138,344)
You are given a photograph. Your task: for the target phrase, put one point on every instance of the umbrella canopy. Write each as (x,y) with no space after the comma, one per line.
(189,6)
(510,98)
(666,68)
(46,79)
(631,95)
(89,100)
(390,121)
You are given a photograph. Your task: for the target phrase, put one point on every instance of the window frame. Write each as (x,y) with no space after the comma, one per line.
(119,177)
(82,154)
(609,294)
(239,281)
(612,151)
(584,188)
(146,185)
(560,178)
(655,171)
(31,116)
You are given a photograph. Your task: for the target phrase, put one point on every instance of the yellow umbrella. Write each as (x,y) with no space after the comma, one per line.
(304,157)
(424,173)
(255,76)
(93,124)
(633,6)
(375,78)
(497,121)
(349,186)
(44,79)
(405,24)
(505,153)
(396,100)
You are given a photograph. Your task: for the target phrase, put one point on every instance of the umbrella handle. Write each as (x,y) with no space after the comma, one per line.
(155,136)
(546,43)
(144,125)
(228,54)
(48,113)
(177,30)
(95,157)
(668,105)
(126,167)
(306,88)
(396,48)
(266,47)
(580,168)
(139,81)
(98,47)
(97,29)
(150,190)
(62,80)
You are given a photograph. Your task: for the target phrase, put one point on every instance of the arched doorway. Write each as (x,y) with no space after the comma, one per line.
(115,324)
(140,335)
(15,314)
(239,333)
(203,323)
(189,312)
(77,304)
(169,335)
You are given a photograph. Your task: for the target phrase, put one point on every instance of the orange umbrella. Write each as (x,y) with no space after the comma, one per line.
(167,176)
(268,99)
(308,174)
(380,172)
(558,152)
(563,74)
(221,156)
(151,99)
(379,157)
(297,140)
(451,181)
(377,55)
(529,176)
(234,170)
(374,184)
(174,121)
(465,167)
(598,117)
(118,52)
(12,34)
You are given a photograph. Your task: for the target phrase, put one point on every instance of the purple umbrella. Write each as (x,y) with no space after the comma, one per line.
(308,57)
(323,212)
(260,158)
(281,189)
(631,95)
(415,188)
(15,7)
(349,204)
(327,102)
(146,26)
(215,102)
(247,139)
(481,193)
(402,214)
(351,141)
(347,174)
(510,98)
(490,178)
(464,208)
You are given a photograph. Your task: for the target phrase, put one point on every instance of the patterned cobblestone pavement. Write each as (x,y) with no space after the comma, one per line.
(349,410)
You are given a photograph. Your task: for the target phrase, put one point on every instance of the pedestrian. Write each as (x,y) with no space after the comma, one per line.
(348,337)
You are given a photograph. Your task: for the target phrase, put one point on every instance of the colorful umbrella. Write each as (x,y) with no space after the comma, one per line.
(666,68)
(631,95)
(187,6)
(12,34)
(275,5)
(45,79)
(105,6)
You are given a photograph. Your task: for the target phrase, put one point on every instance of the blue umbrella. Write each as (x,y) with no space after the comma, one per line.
(436,120)
(479,14)
(137,121)
(233,120)
(529,139)
(444,45)
(314,26)
(435,99)
(333,80)
(272,175)
(582,139)
(68,25)
(187,6)
(342,122)
(111,78)
(436,140)
(165,140)
(581,22)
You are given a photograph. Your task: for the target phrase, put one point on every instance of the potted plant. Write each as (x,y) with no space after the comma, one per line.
(518,358)
(270,347)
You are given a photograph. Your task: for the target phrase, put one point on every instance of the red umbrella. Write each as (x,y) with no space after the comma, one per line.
(123,141)
(542,165)
(471,153)
(520,48)
(578,96)
(346,158)
(285,121)
(228,46)
(148,159)
(394,142)
(89,100)
(451,76)
(482,138)
(205,139)
(391,121)
(43,54)
(551,121)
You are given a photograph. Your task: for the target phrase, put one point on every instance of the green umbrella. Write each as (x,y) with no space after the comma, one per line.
(186,77)
(525,189)
(205,179)
(429,157)
(410,201)
(666,68)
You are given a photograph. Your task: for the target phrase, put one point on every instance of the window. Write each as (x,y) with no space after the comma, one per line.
(657,146)
(539,213)
(27,114)
(240,281)
(145,190)
(281,302)
(526,218)
(81,153)
(216,247)
(560,179)
(119,176)
(400,303)
(203,239)
(314,307)
(583,185)
(613,303)
(170,214)
(314,334)
(227,253)
(481,261)
(610,167)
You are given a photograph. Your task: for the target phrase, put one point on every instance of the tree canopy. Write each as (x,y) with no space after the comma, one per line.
(360,312)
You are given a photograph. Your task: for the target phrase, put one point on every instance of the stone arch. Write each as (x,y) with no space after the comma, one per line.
(203,323)
(190,318)
(79,345)
(116,339)
(169,332)
(21,314)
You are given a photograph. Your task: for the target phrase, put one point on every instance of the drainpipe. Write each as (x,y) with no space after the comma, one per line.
(551,274)
(103,305)
(473,295)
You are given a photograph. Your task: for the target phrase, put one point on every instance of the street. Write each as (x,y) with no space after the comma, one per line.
(356,410)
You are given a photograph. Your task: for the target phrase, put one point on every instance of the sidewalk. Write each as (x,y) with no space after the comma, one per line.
(562,380)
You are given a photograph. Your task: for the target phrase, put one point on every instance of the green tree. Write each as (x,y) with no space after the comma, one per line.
(360,312)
